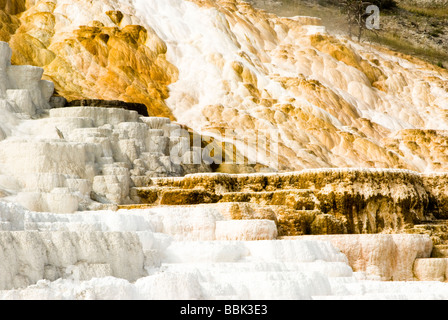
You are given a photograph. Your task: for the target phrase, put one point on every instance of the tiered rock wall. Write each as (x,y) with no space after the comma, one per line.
(437,185)
(330,101)
(197,252)
(330,200)
(211,235)
(66,159)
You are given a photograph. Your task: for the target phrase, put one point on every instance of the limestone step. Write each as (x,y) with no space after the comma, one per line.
(292,222)
(100,115)
(431,269)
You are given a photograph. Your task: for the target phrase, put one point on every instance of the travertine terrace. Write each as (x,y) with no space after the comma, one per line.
(348,200)
(101,202)
(333,102)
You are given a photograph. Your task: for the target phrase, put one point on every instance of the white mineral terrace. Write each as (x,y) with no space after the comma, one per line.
(194,253)
(65,171)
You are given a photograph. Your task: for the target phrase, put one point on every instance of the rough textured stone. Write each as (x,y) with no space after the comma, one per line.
(437,184)
(186,197)
(385,256)
(28,257)
(330,111)
(70,158)
(323,100)
(434,269)
(345,200)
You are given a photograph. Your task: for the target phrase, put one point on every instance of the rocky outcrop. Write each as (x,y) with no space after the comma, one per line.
(21,88)
(91,153)
(426,3)
(329,101)
(324,100)
(9,22)
(200,252)
(434,269)
(71,158)
(312,201)
(437,184)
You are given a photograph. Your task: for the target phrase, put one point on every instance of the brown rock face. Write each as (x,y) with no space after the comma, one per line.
(314,201)
(13,6)
(437,184)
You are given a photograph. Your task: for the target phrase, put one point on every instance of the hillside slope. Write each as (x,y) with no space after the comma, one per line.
(223,65)
(414,27)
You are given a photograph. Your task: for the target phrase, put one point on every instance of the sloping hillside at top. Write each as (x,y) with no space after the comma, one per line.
(414,27)
(220,65)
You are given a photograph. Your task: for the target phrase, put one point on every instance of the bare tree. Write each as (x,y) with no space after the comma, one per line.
(356,15)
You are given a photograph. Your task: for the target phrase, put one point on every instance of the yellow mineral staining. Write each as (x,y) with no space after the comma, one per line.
(430,146)
(9,22)
(8,25)
(31,40)
(245,211)
(332,101)
(344,53)
(113,63)
(115,16)
(30,51)
(13,7)
(310,132)
(94,61)
(313,201)
(320,95)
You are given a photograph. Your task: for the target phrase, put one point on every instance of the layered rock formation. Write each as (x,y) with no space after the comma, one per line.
(139,107)
(113,61)
(68,159)
(426,3)
(315,201)
(388,257)
(232,77)
(28,257)
(182,253)
(216,65)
